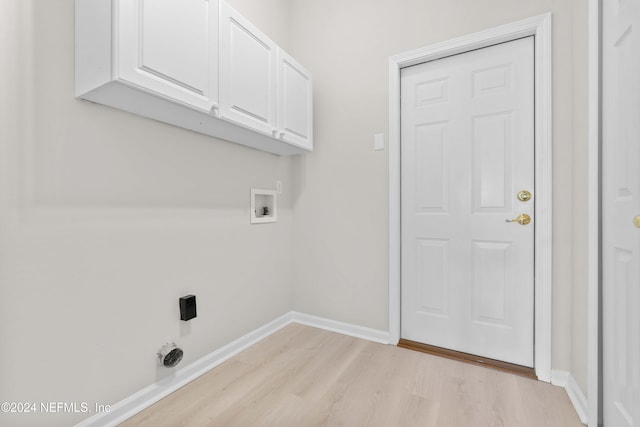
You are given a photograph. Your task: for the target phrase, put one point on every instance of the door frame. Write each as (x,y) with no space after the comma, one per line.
(594,323)
(540,27)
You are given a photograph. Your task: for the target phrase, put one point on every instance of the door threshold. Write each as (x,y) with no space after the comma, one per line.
(469,358)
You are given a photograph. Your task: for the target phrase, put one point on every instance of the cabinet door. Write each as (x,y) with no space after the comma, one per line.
(170,47)
(295,110)
(247,73)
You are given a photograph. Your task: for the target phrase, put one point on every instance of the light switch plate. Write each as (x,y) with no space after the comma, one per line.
(378,141)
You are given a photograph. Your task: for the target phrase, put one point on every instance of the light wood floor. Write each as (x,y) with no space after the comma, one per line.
(303,376)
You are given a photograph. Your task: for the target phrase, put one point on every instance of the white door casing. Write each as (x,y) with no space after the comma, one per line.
(539,26)
(621,204)
(163,50)
(467,149)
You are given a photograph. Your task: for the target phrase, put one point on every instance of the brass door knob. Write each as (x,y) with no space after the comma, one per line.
(522,219)
(636,221)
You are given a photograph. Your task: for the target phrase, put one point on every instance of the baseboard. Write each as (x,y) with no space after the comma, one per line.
(356,331)
(576,395)
(146,397)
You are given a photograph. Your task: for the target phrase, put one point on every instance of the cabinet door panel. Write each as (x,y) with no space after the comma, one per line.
(295,111)
(170,47)
(247,73)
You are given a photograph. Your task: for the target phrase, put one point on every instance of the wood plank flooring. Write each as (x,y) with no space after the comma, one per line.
(302,376)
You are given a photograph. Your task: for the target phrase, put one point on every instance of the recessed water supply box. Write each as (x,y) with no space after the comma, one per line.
(263,206)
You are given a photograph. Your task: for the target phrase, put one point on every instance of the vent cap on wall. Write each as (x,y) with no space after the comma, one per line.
(170,355)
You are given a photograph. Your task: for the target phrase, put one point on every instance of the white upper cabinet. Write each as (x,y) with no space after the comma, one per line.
(247,73)
(197,64)
(170,47)
(295,110)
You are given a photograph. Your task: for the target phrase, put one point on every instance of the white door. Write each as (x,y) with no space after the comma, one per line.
(295,111)
(467,150)
(170,47)
(247,73)
(621,204)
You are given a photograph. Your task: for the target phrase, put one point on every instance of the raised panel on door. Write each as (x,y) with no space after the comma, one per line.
(432,298)
(432,177)
(621,205)
(247,73)
(466,151)
(492,163)
(295,110)
(170,47)
(491,283)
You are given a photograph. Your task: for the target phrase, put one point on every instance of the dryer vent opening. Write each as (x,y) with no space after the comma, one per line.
(170,355)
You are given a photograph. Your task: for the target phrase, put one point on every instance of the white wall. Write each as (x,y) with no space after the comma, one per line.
(340,219)
(579,330)
(106,219)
